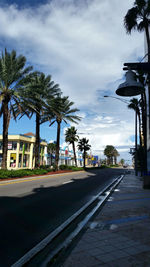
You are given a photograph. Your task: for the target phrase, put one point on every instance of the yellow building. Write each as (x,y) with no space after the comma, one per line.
(21,151)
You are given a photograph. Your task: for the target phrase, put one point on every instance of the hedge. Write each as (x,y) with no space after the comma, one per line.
(28,172)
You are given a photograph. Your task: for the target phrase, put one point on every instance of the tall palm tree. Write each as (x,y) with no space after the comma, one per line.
(57,110)
(138,18)
(108,152)
(12,79)
(135,105)
(142,104)
(84,147)
(51,149)
(144,130)
(140,153)
(71,137)
(115,155)
(122,161)
(39,88)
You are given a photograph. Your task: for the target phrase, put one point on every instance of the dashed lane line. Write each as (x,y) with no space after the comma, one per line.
(70,181)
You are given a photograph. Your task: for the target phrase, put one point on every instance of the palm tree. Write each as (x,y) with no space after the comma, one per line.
(140,152)
(142,105)
(39,88)
(51,149)
(135,105)
(138,18)
(71,138)
(122,161)
(84,146)
(12,77)
(57,110)
(144,131)
(109,153)
(115,155)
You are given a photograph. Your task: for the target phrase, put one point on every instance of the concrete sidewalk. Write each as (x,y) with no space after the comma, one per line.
(119,235)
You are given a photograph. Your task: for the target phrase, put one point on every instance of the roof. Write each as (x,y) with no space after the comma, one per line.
(29,134)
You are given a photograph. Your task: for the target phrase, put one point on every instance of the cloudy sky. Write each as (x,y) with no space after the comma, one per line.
(83,45)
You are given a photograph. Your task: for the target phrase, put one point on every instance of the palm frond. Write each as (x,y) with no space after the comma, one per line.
(130,20)
(52,123)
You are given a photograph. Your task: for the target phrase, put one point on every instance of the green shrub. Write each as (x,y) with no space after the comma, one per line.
(77,168)
(113,165)
(4,174)
(63,167)
(28,172)
(73,168)
(45,167)
(39,171)
(49,170)
(20,173)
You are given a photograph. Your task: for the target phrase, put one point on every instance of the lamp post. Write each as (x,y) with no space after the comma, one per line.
(125,90)
(127,102)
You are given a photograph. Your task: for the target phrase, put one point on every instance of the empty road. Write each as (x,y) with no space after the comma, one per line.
(31,208)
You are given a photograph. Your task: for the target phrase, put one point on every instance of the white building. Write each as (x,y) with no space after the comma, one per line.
(66,157)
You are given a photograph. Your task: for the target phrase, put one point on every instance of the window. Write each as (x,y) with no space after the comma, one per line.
(62,161)
(26,159)
(1,145)
(24,146)
(0,160)
(9,145)
(12,145)
(21,146)
(20,161)
(13,160)
(27,147)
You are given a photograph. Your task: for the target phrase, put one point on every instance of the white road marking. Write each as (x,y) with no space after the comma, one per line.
(70,181)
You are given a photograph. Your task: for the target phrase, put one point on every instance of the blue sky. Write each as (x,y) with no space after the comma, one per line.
(83,45)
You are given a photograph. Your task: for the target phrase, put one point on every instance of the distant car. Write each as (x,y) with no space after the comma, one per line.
(125,166)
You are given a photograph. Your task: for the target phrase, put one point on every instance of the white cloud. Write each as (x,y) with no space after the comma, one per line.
(83,45)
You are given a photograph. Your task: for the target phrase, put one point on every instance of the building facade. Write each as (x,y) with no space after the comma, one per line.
(66,157)
(21,151)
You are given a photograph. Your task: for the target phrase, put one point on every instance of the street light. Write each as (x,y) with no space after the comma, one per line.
(127,102)
(145,67)
(123,100)
(130,87)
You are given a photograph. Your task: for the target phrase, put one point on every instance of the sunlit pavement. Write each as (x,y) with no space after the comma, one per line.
(119,235)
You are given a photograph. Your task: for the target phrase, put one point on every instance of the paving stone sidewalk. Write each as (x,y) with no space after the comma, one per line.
(119,236)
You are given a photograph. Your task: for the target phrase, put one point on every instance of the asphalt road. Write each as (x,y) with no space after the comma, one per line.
(30,209)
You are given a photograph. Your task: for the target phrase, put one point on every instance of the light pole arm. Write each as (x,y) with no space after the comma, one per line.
(118,98)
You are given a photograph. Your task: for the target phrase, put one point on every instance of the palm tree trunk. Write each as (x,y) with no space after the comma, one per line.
(148,41)
(136,171)
(144,123)
(75,159)
(37,141)
(51,157)
(6,120)
(84,158)
(57,145)
(140,133)
(148,48)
